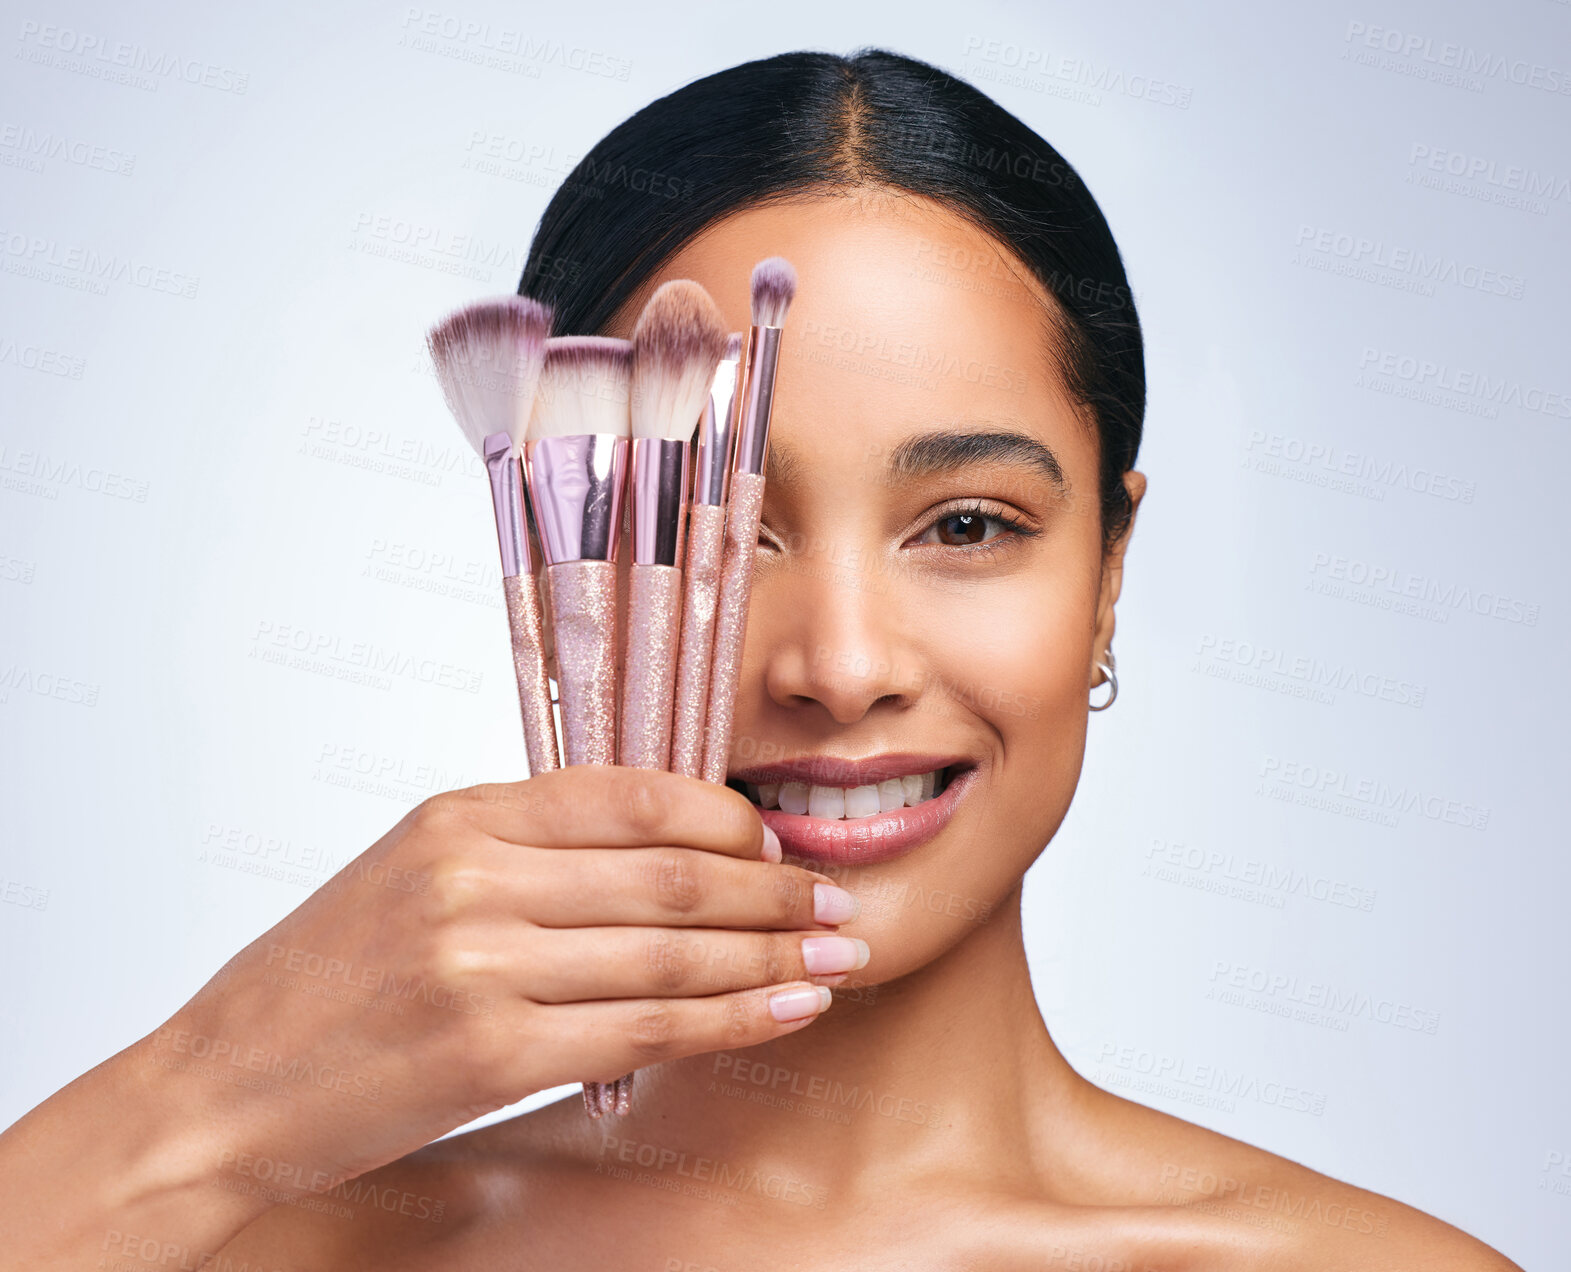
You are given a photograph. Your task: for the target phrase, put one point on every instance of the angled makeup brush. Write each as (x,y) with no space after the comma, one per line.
(701,568)
(774,288)
(679,340)
(576,459)
(488,357)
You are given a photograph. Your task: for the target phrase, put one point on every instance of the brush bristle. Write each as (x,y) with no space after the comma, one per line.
(677,344)
(733,346)
(584,386)
(487,358)
(774,288)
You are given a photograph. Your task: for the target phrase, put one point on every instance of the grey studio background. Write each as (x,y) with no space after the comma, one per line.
(1311,892)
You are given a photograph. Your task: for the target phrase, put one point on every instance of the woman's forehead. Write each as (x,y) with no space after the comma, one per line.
(906,317)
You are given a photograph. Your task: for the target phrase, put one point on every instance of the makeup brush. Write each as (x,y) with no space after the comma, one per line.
(488,357)
(576,459)
(774,288)
(701,568)
(677,344)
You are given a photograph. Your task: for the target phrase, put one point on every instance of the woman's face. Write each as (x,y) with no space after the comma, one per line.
(930,592)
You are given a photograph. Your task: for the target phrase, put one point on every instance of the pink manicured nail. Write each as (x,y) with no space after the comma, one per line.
(796,1004)
(822,955)
(772,850)
(835,905)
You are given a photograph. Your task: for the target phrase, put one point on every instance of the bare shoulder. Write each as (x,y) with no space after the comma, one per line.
(1226,1197)
(421,1211)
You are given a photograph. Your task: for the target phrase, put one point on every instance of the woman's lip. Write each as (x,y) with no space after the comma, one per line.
(861,841)
(824,770)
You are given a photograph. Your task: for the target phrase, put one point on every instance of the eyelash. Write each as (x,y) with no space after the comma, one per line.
(996,513)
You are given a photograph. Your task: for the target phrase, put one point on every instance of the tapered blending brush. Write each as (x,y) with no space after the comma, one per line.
(701,568)
(677,344)
(488,358)
(576,460)
(774,288)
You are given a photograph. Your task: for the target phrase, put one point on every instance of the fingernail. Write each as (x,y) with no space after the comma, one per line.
(822,955)
(835,905)
(772,846)
(795,1004)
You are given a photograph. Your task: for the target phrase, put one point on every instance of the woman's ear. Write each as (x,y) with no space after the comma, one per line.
(1113,575)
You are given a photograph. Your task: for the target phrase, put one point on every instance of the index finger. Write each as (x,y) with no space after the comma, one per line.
(608,806)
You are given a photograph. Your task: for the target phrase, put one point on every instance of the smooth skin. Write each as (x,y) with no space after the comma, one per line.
(599,920)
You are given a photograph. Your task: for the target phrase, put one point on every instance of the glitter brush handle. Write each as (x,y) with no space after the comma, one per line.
(701,588)
(736,588)
(654,615)
(534,690)
(583,622)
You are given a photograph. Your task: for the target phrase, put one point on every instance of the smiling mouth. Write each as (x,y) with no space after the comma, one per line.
(849,803)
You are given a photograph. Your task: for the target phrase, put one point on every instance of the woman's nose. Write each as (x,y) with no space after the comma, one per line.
(836,644)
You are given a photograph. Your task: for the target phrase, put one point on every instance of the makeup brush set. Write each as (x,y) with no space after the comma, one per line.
(665,437)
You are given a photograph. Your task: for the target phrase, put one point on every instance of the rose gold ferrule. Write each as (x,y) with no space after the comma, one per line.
(575,488)
(756,392)
(504,467)
(658,492)
(717,437)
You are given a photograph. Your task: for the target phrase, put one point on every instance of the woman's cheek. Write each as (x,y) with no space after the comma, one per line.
(1019,659)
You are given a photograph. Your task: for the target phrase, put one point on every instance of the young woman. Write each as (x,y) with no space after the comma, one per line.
(950,497)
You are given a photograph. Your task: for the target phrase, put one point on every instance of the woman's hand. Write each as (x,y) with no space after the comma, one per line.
(496,942)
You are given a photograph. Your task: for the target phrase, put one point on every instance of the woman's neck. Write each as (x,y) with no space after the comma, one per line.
(949,1068)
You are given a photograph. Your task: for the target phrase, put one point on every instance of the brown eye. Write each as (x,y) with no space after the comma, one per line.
(962,529)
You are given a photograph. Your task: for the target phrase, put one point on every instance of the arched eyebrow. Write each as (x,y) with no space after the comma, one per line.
(944,449)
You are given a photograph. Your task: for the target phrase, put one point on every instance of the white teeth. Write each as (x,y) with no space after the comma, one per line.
(827,801)
(862,801)
(836,802)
